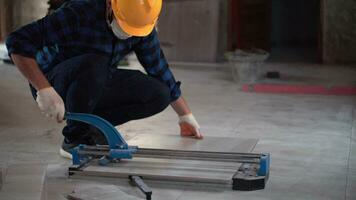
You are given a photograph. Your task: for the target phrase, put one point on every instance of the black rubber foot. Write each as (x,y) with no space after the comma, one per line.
(246,179)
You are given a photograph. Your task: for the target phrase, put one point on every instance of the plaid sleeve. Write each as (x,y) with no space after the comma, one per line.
(50,30)
(151,57)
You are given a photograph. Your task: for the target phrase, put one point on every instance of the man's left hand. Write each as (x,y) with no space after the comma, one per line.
(189,127)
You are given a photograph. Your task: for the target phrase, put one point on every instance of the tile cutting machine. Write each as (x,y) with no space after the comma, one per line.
(249,171)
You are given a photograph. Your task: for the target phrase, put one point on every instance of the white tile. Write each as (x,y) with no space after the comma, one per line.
(24,182)
(351,187)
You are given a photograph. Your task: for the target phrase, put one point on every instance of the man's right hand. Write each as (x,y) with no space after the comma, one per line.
(51,104)
(47,99)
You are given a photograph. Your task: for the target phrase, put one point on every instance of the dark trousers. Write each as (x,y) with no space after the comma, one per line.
(87,84)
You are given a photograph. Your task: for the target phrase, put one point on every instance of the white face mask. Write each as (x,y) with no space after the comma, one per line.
(118,32)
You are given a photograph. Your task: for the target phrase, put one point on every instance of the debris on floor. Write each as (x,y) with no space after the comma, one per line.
(273,75)
(99,192)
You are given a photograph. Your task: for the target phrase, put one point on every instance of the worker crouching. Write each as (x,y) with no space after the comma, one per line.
(70,58)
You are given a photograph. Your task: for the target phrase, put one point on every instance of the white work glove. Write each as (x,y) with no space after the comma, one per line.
(51,104)
(189,127)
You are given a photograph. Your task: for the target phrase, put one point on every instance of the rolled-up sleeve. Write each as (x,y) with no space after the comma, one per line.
(151,57)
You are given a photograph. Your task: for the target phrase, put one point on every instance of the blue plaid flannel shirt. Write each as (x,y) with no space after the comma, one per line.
(80,27)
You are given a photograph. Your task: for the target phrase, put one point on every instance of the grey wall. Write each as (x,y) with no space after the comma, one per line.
(5,12)
(339,31)
(15,13)
(189,30)
(223,30)
(26,11)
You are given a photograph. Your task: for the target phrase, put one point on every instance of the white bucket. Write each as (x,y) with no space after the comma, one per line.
(245,64)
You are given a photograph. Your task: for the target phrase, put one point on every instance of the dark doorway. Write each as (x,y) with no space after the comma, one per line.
(295,30)
(250,24)
(289,30)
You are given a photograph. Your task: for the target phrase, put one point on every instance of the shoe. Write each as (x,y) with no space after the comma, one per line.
(66,149)
(67,146)
(97,137)
(92,138)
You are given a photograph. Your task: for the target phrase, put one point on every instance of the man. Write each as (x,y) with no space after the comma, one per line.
(70,59)
(54,5)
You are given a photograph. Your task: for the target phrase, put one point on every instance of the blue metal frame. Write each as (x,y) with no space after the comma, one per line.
(119,149)
(264,165)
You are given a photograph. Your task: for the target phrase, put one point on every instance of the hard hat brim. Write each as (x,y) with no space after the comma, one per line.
(135,31)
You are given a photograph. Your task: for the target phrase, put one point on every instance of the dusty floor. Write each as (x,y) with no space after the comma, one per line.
(312,139)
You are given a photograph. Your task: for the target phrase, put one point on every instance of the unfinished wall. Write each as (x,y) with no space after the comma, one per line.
(189,30)
(339,31)
(15,13)
(223,30)
(26,11)
(5,18)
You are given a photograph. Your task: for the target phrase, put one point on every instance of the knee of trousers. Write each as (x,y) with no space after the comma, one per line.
(162,98)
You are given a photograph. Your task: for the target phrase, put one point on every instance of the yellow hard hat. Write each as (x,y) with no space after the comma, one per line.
(136,17)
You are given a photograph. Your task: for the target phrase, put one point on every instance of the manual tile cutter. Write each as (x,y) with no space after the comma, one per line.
(252,175)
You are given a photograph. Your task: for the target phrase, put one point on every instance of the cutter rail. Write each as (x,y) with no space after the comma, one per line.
(179,154)
(251,175)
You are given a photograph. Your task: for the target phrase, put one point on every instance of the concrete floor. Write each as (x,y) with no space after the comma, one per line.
(312,139)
